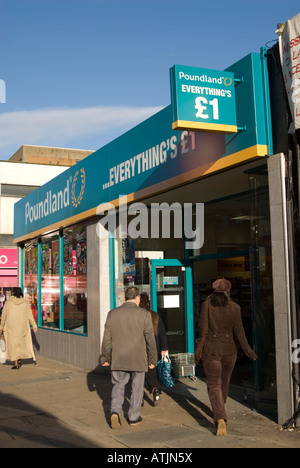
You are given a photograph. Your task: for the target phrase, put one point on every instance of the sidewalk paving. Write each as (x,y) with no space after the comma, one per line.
(55,405)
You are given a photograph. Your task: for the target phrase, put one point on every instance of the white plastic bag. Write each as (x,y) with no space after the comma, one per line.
(2,351)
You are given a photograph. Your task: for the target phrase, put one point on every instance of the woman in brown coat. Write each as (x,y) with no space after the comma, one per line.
(16,317)
(220,323)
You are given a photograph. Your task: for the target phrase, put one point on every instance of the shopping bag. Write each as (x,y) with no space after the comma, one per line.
(164,372)
(2,351)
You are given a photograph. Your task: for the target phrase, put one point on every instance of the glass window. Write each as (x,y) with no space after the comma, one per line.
(50,281)
(31,276)
(75,279)
(133,257)
(63,283)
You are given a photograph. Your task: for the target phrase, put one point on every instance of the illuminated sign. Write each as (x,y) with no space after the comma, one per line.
(203,99)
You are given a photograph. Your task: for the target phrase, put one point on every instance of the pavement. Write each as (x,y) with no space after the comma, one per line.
(56,405)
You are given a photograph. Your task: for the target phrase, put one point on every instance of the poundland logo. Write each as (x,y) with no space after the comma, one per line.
(57,201)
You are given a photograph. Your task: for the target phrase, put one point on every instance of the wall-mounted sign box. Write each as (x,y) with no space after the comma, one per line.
(203,99)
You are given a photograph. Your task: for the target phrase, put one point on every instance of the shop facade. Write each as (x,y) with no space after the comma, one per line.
(166,209)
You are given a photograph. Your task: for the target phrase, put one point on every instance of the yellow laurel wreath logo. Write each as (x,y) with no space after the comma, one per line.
(77,200)
(228,81)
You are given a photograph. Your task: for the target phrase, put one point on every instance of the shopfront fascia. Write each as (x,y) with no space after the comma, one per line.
(65,257)
(8,268)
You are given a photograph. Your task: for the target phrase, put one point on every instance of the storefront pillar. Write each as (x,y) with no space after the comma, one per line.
(105,265)
(281,285)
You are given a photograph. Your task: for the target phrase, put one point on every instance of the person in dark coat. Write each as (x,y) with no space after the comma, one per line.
(219,325)
(161,345)
(129,347)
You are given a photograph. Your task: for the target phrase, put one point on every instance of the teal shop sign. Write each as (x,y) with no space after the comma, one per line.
(203,99)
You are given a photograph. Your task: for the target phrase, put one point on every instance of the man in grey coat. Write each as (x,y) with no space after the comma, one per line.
(129,348)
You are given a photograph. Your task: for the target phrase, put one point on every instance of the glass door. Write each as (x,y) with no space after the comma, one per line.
(172,299)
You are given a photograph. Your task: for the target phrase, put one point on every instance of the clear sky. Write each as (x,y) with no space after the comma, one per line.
(79,73)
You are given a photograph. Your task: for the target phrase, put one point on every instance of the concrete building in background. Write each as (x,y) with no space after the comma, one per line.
(49,155)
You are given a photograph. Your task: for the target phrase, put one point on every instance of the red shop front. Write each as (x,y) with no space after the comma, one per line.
(8,272)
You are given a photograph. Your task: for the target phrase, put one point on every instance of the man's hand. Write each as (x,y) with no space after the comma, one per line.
(151,366)
(106,364)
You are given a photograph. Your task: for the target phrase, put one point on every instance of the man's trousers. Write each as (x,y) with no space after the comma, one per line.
(119,380)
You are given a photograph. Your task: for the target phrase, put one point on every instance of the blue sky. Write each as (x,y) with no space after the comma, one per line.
(79,73)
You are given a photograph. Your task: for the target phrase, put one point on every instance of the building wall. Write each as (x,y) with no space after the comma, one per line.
(27,174)
(7,214)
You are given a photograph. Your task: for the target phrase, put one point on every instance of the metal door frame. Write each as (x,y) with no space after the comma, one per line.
(188,290)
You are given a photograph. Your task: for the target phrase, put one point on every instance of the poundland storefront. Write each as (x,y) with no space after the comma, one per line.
(181,199)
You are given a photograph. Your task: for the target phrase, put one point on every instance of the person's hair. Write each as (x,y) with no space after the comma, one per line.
(131,293)
(145,302)
(219,299)
(17,292)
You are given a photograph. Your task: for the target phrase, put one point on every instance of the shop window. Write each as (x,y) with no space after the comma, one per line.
(31,276)
(50,282)
(58,297)
(75,279)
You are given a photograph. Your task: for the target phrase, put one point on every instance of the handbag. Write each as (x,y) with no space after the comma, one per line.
(164,372)
(2,351)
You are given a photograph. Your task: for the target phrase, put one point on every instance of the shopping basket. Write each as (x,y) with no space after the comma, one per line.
(183,365)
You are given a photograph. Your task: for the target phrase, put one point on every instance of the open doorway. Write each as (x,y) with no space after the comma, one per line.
(234,266)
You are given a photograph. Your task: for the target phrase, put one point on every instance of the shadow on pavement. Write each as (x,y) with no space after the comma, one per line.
(99,380)
(182,395)
(24,425)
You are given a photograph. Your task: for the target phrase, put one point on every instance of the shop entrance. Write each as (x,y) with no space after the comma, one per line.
(172,299)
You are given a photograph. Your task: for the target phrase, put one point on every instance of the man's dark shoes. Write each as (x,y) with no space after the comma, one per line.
(136,422)
(115,421)
(156,397)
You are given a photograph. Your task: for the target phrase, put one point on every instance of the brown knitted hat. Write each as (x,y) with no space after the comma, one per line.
(221,285)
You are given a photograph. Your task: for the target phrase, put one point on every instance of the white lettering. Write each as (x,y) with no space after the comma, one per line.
(202,78)
(118,458)
(143,162)
(52,203)
(3,259)
(296,353)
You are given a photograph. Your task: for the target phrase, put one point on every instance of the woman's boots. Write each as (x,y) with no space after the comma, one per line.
(221,427)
